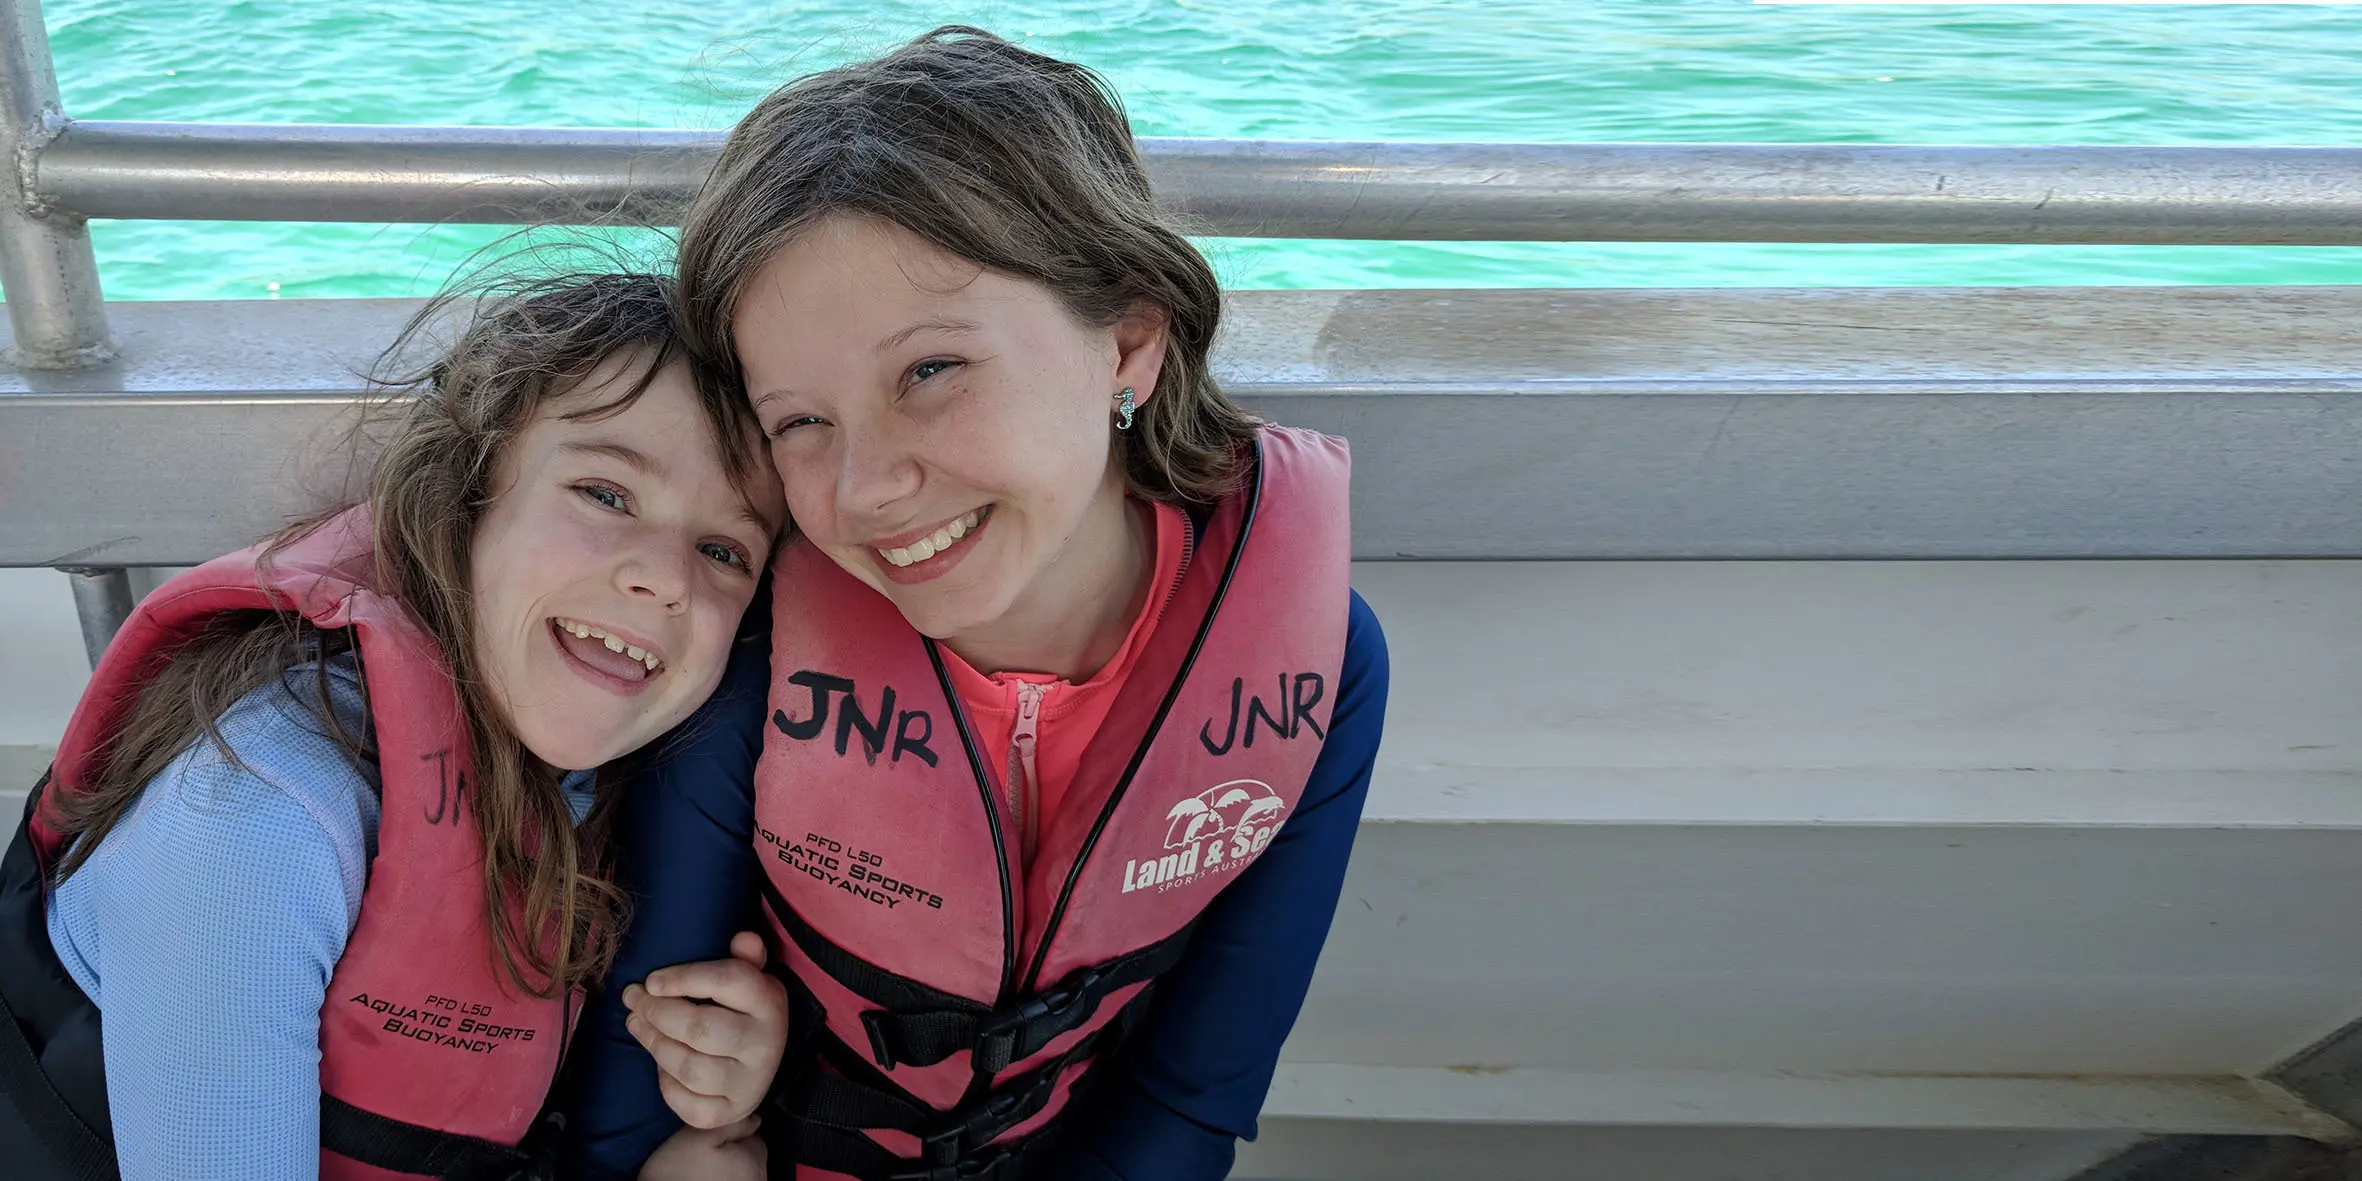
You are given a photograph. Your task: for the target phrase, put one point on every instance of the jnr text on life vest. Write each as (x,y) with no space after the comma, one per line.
(1296,698)
(911,730)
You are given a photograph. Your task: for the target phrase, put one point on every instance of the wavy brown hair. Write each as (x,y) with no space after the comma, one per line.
(1018,162)
(494,354)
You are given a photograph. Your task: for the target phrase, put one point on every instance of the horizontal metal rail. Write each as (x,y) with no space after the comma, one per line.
(1277,189)
(2197,422)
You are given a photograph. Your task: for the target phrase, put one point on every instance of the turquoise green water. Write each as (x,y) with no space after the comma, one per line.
(1551,70)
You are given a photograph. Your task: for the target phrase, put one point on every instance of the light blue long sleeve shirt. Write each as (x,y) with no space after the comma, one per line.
(205,928)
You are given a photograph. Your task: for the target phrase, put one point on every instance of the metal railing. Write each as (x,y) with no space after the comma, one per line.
(46,268)
(58,173)
(1273,189)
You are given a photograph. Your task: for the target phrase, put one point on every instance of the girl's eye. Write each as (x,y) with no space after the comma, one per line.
(726,554)
(610,497)
(789,424)
(926,369)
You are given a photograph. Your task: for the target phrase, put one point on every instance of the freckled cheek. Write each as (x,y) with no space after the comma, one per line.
(524,569)
(720,601)
(996,421)
(811,502)
(714,622)
(502,589)
(505,643)
(561,558)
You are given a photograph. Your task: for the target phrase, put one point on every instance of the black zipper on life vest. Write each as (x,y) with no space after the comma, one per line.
(1000,847)
(1156,724)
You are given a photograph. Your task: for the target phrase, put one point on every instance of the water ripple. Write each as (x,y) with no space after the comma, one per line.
(1547,70)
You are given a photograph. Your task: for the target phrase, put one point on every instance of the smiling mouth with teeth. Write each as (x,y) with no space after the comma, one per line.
(597,648)
(925,548)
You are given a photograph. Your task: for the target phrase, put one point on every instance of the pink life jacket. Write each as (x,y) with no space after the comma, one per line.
(429,1064)
(950,999)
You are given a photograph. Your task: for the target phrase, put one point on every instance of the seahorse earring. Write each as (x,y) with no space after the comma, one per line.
(1123,410)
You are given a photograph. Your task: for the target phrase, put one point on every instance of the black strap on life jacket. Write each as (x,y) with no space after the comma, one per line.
(822,1147)
(85,1154)
(400,1147)
(820,1113)
(71,1143)
(919,1025)
(1006,1036)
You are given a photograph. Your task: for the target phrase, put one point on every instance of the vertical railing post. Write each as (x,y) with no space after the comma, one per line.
(46,267)
(102,598)
(47,270)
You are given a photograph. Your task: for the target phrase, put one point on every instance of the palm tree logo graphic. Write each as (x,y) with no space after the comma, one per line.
(1219,809)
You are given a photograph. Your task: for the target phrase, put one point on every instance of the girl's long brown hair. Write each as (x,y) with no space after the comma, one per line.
(1018,162)
(552,911)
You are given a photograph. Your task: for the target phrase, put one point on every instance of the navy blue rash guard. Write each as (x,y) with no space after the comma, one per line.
(1182,1092)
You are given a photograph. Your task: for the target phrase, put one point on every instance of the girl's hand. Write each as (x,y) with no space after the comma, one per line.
(733,1153)
(717,1030)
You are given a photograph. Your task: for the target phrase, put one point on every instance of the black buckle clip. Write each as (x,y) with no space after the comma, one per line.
(991,1167)
(1002,1042)
(540,1148)
(879,1049)
(996,1113)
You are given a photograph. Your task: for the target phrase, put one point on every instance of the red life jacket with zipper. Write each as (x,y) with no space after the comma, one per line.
(431,1064)
(952,992)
